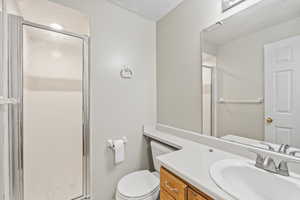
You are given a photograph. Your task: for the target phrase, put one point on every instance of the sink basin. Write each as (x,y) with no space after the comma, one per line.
(243,181)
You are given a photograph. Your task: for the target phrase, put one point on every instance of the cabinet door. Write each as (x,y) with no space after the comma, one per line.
(165,196)
(192,195)
(173,185)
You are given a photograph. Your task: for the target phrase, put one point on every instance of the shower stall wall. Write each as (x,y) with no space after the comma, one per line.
(49,139)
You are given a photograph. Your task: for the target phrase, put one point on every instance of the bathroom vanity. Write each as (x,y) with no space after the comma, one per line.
(184,174)
(174,188)
(204,170)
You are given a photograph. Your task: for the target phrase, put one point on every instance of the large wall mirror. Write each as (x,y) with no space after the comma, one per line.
(251,76)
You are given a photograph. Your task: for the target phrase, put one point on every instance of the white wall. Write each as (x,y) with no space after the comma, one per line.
(178,60)
(236,60)
(119,107)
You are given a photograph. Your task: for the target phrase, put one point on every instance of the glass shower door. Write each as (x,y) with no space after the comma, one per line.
(53,119)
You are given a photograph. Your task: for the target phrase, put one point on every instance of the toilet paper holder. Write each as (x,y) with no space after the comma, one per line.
(111,144)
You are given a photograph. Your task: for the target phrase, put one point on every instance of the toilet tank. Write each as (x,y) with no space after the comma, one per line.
(158,149)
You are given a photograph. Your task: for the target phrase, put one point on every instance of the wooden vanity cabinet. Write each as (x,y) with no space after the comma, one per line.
(173,188)
(173,185)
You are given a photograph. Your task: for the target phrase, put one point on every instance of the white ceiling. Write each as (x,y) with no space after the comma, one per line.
(150,9)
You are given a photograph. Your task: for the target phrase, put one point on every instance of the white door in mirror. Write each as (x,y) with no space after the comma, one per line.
(282,92)
(243,181)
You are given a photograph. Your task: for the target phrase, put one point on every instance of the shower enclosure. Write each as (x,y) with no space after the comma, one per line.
(48,113)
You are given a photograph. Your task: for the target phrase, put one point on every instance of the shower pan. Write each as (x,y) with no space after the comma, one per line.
(48,123)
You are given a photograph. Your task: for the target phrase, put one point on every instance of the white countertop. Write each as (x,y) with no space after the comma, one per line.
(192,162)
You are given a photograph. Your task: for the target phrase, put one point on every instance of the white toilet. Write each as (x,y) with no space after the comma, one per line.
(143,185)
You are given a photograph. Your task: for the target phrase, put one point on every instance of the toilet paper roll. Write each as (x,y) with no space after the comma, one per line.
(119,149)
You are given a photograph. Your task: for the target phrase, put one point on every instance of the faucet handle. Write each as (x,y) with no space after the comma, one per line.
(283,168)
(269,164)
(259,161)
(283,165)
(283,148)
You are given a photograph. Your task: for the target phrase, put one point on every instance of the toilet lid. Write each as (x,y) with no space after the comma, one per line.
(138,184)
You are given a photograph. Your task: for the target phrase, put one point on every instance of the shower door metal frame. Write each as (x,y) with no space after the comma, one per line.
(17,161)
(212,98)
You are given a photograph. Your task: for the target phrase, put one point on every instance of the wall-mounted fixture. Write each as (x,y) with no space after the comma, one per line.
(118,146)
(227,4)
(111,143)
(126,72)
(235,101)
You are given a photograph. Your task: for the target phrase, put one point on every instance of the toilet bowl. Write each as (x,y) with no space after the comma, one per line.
(143,185)
(139,185)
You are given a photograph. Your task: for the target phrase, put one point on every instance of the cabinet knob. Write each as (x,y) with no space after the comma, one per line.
(170,187)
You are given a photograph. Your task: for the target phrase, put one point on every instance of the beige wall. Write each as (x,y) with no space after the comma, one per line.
(178,60)
(236,60)
(119,107)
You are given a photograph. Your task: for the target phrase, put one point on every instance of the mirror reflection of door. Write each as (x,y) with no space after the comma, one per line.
(207,99)
(282,61)
(209,63)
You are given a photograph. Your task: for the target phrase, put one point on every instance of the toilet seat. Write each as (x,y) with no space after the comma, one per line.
(140,185)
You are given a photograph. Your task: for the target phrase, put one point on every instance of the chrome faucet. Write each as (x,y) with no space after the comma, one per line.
(270,165)
(267,163)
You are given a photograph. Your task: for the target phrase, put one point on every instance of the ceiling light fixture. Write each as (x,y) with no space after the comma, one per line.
(56,26)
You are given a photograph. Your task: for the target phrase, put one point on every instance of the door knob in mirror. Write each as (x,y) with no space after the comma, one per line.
(269,120)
